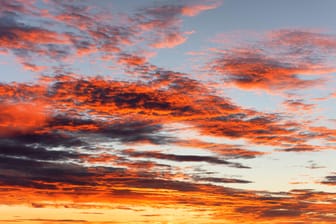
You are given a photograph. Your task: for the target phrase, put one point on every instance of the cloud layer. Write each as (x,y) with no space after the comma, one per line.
(151,141)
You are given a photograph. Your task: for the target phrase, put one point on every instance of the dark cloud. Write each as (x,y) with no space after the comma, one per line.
(182,158)
(329,180)
(137,131)
(40,174)
(49,140)
(13,148)
(281,212)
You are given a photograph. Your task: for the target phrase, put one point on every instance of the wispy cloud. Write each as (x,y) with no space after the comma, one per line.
(83,30)
(297,105)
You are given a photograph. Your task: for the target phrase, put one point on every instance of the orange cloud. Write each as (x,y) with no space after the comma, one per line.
(65,140)
(33,67)
(193,10)
(279,63)
(324,133)
(72,156)
(230,151)
(21,117)
(132,60)
(169,41)
(217,202)
(83,31)
(296,105)
(158,103)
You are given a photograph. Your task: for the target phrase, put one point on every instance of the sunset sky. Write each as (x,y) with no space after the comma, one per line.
(141,111)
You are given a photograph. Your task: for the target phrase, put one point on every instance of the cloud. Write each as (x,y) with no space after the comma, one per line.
(260,129)
(17,6)
(321,132)
(302,148)
(81,151)
(225,150)
(136,131)
(314,165)
(41,174)
(283,60)
(329,180)
(25,40)
(132,60)
(169,40)
(21,117)
(164,22)
(32,67)
(296,105)
(164,102)
(65,140)
(183,158)
(281,212)
(64,33)
(78,221)
(303,40)
(10,148)
(137,112)
(221,180)
(193,10)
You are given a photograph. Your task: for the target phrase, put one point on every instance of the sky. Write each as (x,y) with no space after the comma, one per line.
(210,112)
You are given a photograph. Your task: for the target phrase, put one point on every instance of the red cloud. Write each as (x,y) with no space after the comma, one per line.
(276,64)
(18,118)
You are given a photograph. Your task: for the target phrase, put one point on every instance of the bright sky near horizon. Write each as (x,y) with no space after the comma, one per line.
(167,111)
